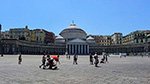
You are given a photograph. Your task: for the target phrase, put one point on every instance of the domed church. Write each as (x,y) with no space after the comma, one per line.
(75,39)
(73,32)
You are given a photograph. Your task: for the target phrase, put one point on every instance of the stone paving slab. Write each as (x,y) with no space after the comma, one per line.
(129,70)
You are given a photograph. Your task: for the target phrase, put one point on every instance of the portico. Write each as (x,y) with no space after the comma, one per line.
(77,46)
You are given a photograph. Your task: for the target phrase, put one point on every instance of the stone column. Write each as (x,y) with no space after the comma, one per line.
(87,49)
(82,49)
(69,49)
(79,49)
(76,49)
(72,49)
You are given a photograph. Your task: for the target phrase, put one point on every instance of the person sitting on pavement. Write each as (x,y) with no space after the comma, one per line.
(50,63)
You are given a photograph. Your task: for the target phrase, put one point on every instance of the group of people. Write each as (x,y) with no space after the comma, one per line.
(75,58)
(93,59)
(96,59)
(67,56)
(49,62)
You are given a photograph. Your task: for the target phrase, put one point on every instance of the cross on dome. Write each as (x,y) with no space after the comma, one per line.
(72,24)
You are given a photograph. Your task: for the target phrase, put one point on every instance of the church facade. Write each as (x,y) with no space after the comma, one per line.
(76,40)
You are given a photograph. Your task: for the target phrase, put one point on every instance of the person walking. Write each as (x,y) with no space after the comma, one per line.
(66,53)
(19,59)
(69,57)
(106,57)
(103,59)
(2,55)
(75,58)
(43,62)
(96,60)
(91,59)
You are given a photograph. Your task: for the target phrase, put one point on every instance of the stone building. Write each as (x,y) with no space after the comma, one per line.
(102,39)
(73,32)
(5,35)
(90,40)
(59,39)
(75,39)
(37,35)
(14,46)
(136,37)
(116,38)
(49,37)
(20,33)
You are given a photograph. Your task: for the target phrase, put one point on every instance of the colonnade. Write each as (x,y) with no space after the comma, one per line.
(80,49)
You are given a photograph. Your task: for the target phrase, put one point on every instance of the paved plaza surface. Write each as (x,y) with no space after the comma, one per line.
(129,70)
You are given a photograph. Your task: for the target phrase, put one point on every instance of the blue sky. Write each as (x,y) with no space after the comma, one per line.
(97,17)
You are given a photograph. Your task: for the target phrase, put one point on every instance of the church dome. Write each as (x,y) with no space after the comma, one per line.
(73,32)
(90,38)
(59,39)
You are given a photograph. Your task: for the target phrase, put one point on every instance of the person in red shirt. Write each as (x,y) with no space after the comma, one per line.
(56,58)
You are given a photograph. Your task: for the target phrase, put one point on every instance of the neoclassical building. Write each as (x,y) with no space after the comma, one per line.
(75,39)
